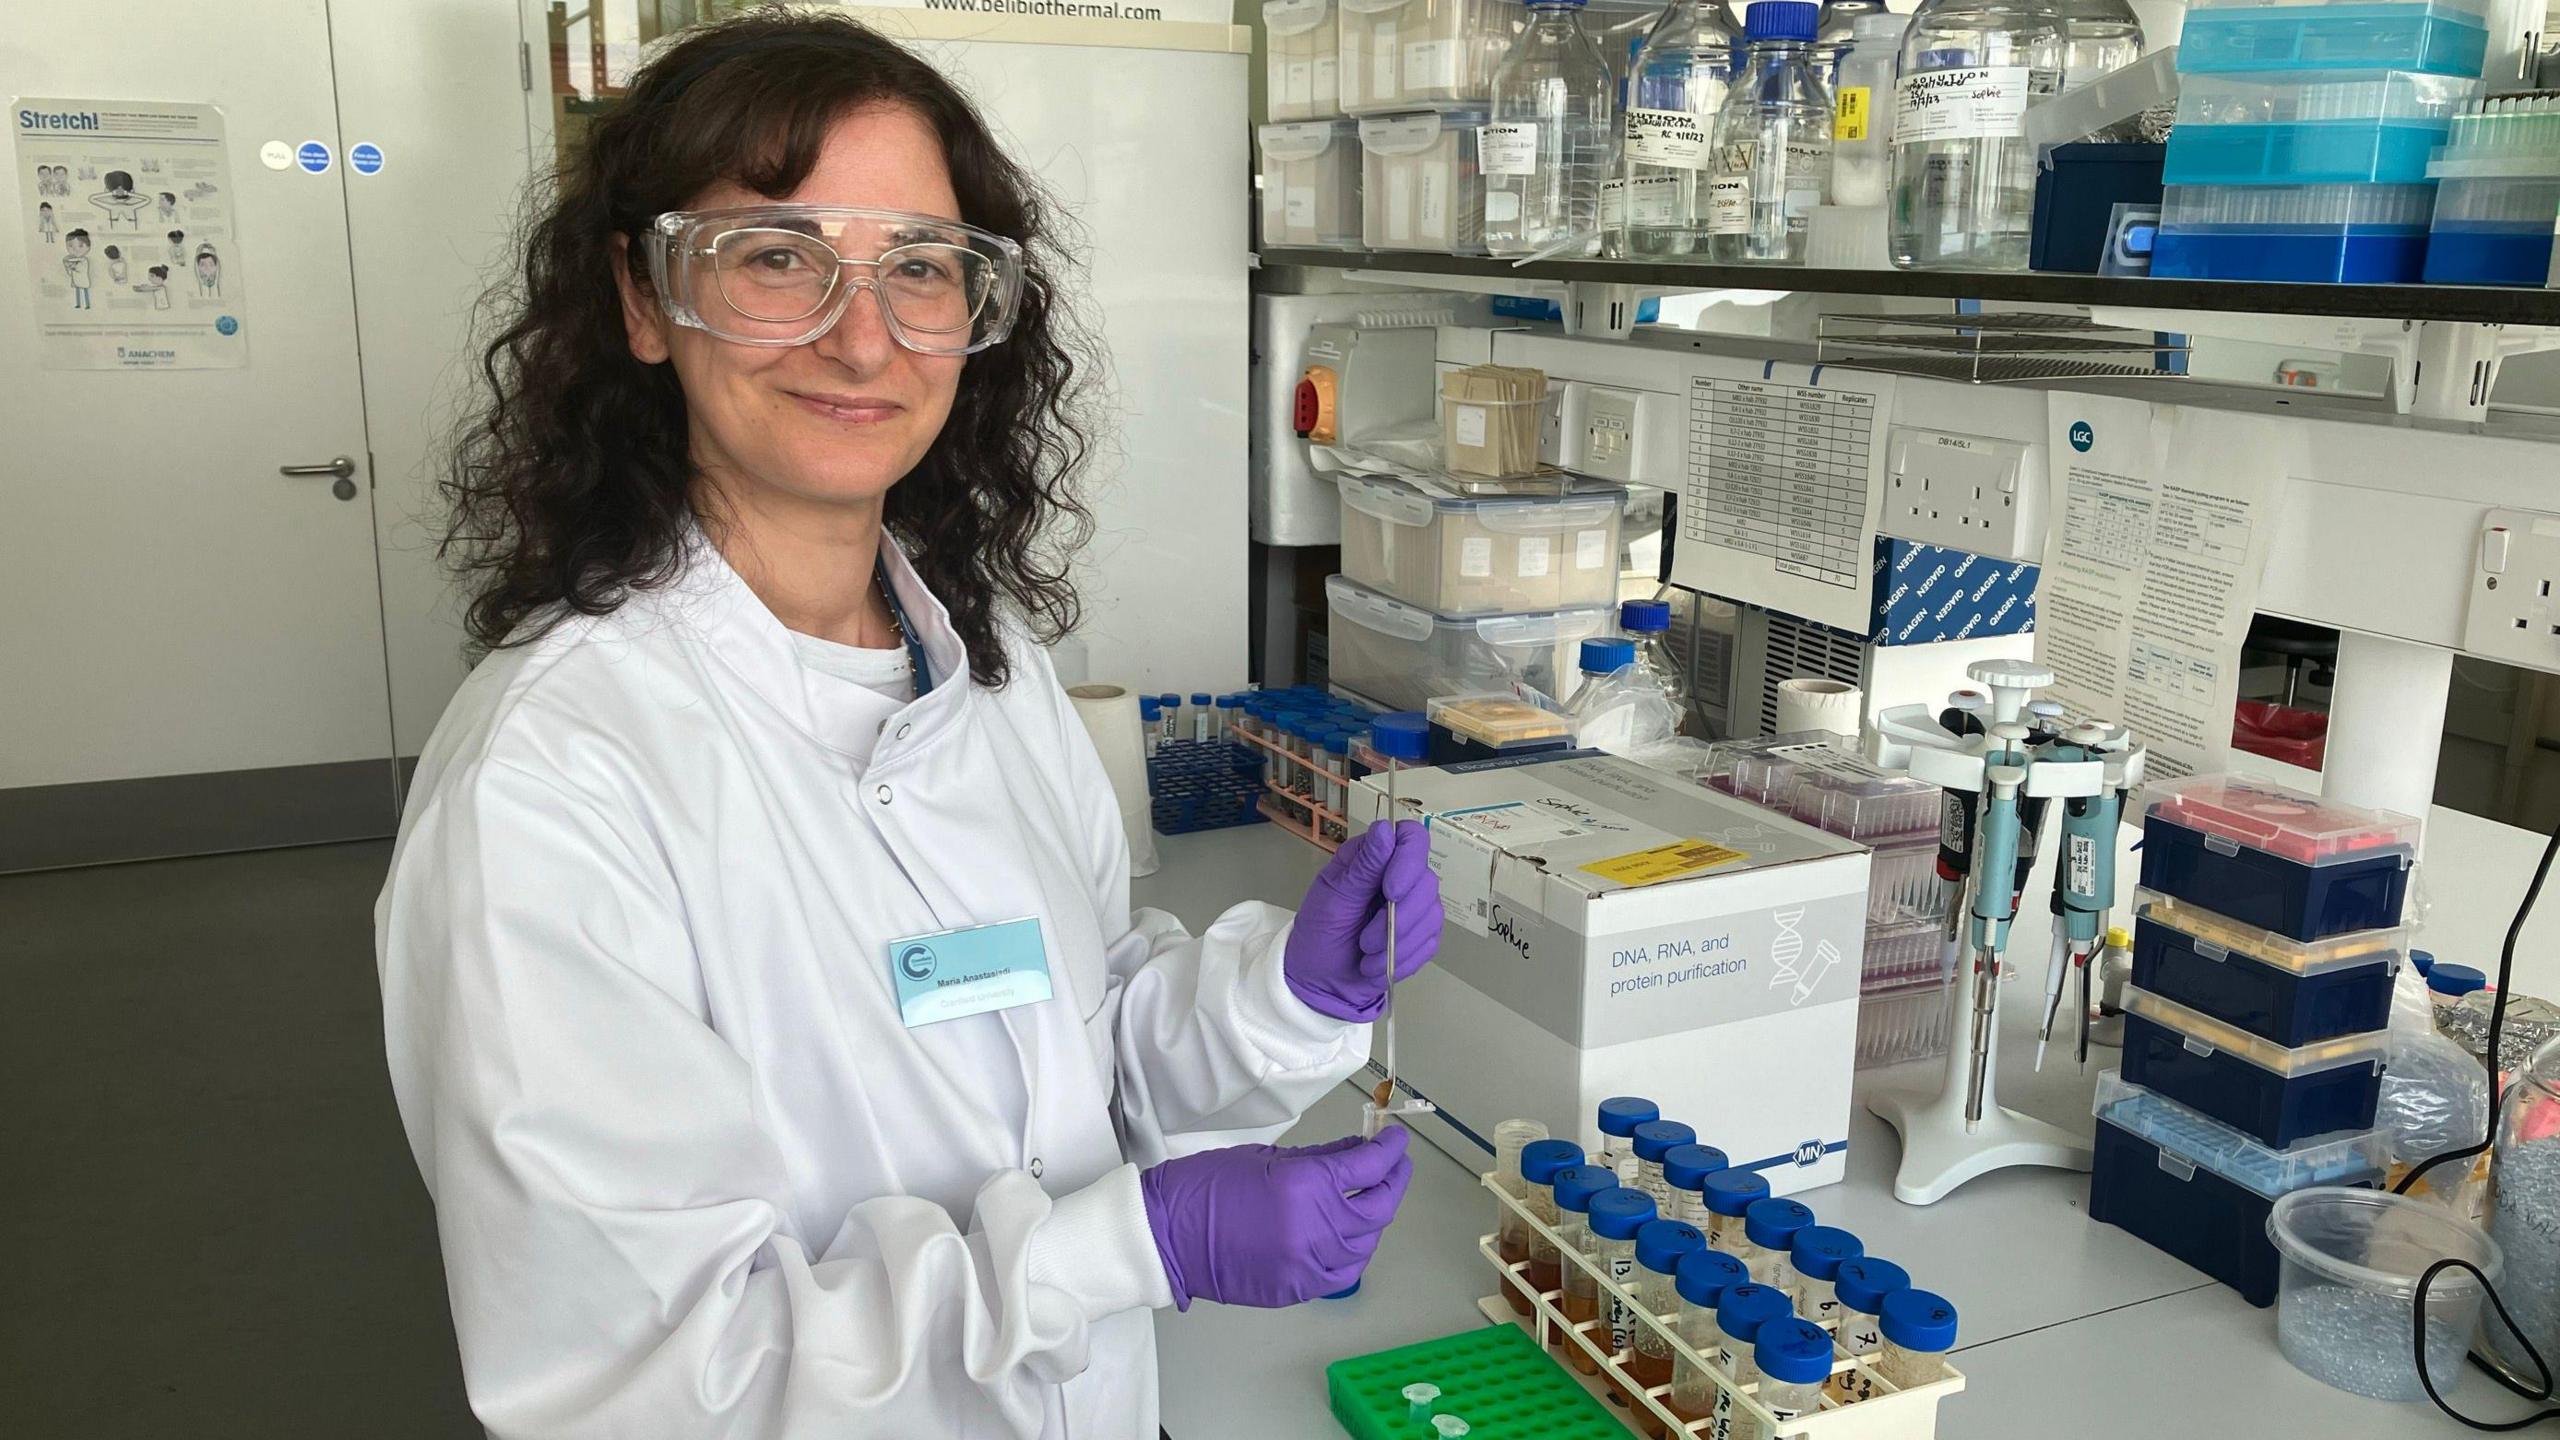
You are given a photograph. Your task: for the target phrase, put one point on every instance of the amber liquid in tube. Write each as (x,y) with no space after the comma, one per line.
(1579,1307)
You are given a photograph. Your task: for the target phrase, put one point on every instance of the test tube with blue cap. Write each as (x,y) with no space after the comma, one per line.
(1653,1140)
(1169,717)
(1793,1358)
(1741,1315)
(1685,1169)
(1619,1117)
(1820,1251)
(1772,1227)
(1150,721)
(1701,1281)
(1401,739)
(1863,1285)
(1200,716)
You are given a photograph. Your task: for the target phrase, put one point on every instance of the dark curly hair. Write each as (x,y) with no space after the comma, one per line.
(570,484)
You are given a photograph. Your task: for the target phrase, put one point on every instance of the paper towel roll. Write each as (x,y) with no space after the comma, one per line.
(1818,705)
(1110,715)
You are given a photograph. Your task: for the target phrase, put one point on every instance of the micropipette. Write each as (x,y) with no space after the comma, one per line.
(1399,739)
(2084,873)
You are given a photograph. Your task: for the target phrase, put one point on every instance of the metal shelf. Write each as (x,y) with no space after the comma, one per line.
(2475,304)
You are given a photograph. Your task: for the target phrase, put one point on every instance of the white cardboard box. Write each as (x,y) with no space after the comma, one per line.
(1617,931)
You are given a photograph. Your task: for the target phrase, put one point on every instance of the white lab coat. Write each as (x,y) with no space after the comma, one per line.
(692,1175)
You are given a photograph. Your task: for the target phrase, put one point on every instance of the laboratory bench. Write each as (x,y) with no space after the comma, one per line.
(2062,1316)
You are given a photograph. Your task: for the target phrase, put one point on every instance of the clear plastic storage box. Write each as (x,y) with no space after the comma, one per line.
(1903,954)
(2444,37)
(1764,769)
(1903,884)
(2280,989)
(1408,54)
(2350,126)
(2202,1191)
(1401,655)
(2343,234)
(2275,1095)
(2493,230)
(1311,183)
(1301,80)
(1478,554)
(1904,1023)
(2259,855)
(1422,190)
(1874,809)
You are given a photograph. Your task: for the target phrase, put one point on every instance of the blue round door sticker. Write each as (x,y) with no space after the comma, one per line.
(2082,436)
(313,156)
(226,325)
(365,158)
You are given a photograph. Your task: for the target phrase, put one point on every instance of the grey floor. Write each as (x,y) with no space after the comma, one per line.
(209,1223)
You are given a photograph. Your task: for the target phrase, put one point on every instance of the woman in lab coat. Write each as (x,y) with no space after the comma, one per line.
(761,990)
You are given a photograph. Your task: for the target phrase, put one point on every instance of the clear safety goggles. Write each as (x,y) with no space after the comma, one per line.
(783,274)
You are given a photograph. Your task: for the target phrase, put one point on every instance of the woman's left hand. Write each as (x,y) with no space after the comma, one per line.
(1336,960)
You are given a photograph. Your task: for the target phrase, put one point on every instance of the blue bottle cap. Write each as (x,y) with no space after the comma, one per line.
(1621,1114)
(1820,1250)
(1542,1160)
(1199,697)
(1705,1275)
(1734,1192)
(1863,1283)
(1405,735)
(1661,1243)
(1747,1307)
(1793,1352)
(1150,709)
(1618,1214)
(1169,699)
(1654,1138)
(1338,743)
(1686,1167)
(1918,1320)
(1773,1224)
(1576,1186)
(1345,1294)
(1781,20)
(2424,960)
(1608,654)
(1645,617)
(2456,980)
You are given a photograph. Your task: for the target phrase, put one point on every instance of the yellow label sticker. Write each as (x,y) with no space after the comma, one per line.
(1849,114)
(1662,862)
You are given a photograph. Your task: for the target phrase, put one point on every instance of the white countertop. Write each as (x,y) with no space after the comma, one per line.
(2066,1321)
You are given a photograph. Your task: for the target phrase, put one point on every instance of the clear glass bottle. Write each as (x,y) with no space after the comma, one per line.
(1820,1251)
(1575,1190)
(1673,97)
(1702,1282)
(1616,1216)
(1730,1193)
(1793,1358)
(1548,145)
(1837,33)
(1772,1227)
(1862,1285)
(1652,1141)
(1685,1169)
(1649,621)
(1619,1117)
(1963,173)
(1744,1309)
(2099,37)
(1660,1247)
(1862,111)
(1773,141)
(1919,1330)
(1512,1235)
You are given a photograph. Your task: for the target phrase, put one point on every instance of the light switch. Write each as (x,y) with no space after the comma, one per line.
(2493,549)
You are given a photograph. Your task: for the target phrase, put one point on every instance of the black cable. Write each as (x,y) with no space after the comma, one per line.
(2418,1301)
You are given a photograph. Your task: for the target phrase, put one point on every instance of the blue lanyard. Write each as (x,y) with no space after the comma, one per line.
(915,647)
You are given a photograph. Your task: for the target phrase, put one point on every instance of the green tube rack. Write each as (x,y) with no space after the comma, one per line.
(1494,1377)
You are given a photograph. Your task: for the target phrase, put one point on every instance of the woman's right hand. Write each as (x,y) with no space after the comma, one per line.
(1273,1225)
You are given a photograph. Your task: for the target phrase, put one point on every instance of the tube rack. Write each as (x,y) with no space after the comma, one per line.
(1300,815)
(1890,1414)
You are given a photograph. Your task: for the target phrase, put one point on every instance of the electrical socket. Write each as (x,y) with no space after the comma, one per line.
(1966,492)
(2514,569)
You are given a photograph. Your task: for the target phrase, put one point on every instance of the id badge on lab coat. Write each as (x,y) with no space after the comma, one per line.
(970,971)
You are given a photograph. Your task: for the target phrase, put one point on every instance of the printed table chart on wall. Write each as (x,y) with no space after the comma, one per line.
(1781,471)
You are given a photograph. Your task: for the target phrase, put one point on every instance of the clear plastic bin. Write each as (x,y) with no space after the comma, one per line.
(2346,1309)
(2445,37)
(2348,126)
(2259,855)
(2275,987)
(1481,555)
(1903,884)
(1872,809)
(1910,1023)
(1301,80)
(2493,230)
(1765,769)
(1416,53)
(2277,1095)
(1904,954)
(2345,234)
(1311,183)
(1422,190)
(1401,655)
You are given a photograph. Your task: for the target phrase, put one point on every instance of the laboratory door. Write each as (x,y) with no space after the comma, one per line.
(191,644)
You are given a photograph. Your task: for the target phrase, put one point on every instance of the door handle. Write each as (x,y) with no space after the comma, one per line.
(344,467)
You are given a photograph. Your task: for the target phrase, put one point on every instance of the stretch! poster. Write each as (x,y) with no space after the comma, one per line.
(131,232)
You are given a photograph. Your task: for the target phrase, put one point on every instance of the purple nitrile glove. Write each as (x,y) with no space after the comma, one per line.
(1336,960)
(1273,1225)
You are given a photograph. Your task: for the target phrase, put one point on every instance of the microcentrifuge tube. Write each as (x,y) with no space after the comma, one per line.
(1450,1427)
(1419,1397)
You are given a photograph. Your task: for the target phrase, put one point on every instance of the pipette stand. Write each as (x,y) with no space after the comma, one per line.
(1941,1149)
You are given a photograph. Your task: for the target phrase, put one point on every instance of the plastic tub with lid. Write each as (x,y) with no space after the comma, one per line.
(1300,79)
(2347,1305)
(1408,54)
(2349,127)
(1402,655)
(2287,991)
(2327,234)
(1481,554)
(1422,189)
(2273,1094)
(2445,37)
(1311,183)
(2298,866)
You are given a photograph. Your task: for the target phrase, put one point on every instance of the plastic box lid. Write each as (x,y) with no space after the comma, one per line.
(1497,720)
(1764,768)
(2334,97)
(1306,139)
(2259,208)
(1413,134)
(2214,933)
(2208,1144)
(2280,822)
(2205,1034)
(1871,808)
(1415,501)
(2476,10)
(1295,17)
(1361,605)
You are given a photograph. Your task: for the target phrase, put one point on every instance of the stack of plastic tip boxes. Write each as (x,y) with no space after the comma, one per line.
(2305,133)
(1903,977)
(1375,105)
(2497,193)
(2267,932)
